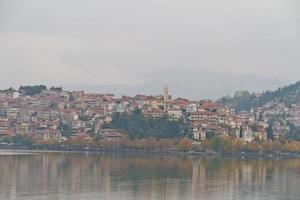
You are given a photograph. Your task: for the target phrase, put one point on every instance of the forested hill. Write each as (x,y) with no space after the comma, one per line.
(243,100)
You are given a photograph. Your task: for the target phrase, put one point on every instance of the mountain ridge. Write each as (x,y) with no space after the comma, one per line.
(189,84)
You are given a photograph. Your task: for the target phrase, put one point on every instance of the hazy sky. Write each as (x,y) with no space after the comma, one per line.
(123,41)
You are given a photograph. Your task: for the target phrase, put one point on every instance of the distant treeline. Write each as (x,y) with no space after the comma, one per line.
(244,100)
(32,90)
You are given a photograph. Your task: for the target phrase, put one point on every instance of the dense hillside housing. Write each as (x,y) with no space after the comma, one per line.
(56,114)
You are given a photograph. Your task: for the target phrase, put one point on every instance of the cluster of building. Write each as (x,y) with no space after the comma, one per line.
(281,116)
(210,119)
(48,114)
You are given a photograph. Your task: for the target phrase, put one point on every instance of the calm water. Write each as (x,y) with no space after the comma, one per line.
(51,176)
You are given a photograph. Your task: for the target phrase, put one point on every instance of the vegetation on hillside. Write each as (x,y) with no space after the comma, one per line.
(139,126)
(243,100)
(32,90)
(10,89)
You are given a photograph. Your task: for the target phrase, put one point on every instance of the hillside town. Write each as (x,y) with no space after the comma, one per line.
(61,115)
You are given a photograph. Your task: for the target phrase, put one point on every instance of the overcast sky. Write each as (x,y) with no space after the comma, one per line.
(98,42)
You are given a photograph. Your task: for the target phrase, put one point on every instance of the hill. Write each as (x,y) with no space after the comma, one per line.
(243,100)
(188,83)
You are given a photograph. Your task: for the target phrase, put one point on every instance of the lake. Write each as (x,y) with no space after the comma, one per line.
(83,176)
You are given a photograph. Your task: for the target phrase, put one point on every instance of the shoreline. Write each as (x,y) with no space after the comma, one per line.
(26,150)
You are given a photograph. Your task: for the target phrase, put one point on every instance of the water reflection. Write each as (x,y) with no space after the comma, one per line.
(77,176)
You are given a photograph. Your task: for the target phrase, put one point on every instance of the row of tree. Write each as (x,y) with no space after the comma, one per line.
(233,145)
(32,90)
(219,144)
(151,143)
(23,140)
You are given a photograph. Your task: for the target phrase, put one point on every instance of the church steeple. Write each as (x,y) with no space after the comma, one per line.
(166,93)
(166,98)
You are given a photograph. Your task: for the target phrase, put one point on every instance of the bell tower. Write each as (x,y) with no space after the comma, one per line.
(166,94)
(166,98)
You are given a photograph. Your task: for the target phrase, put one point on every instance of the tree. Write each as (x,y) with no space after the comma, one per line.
(65,130)
(126,142)
(277,146)
(165,143)
(294,133)
(185,144)
(237,145)
(138,126)
(268,147)
(226,145)
(205,145)
(270,131)
(25,140)
(151,143)
(79,141)
(244,94)
(32,90)
(106,144)
(50,142)
(293,146)
(216,143)
(260,117)
(10,89)
(56,88)
(252,147)
(222,144)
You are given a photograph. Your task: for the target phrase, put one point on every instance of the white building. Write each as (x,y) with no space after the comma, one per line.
(191,108)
